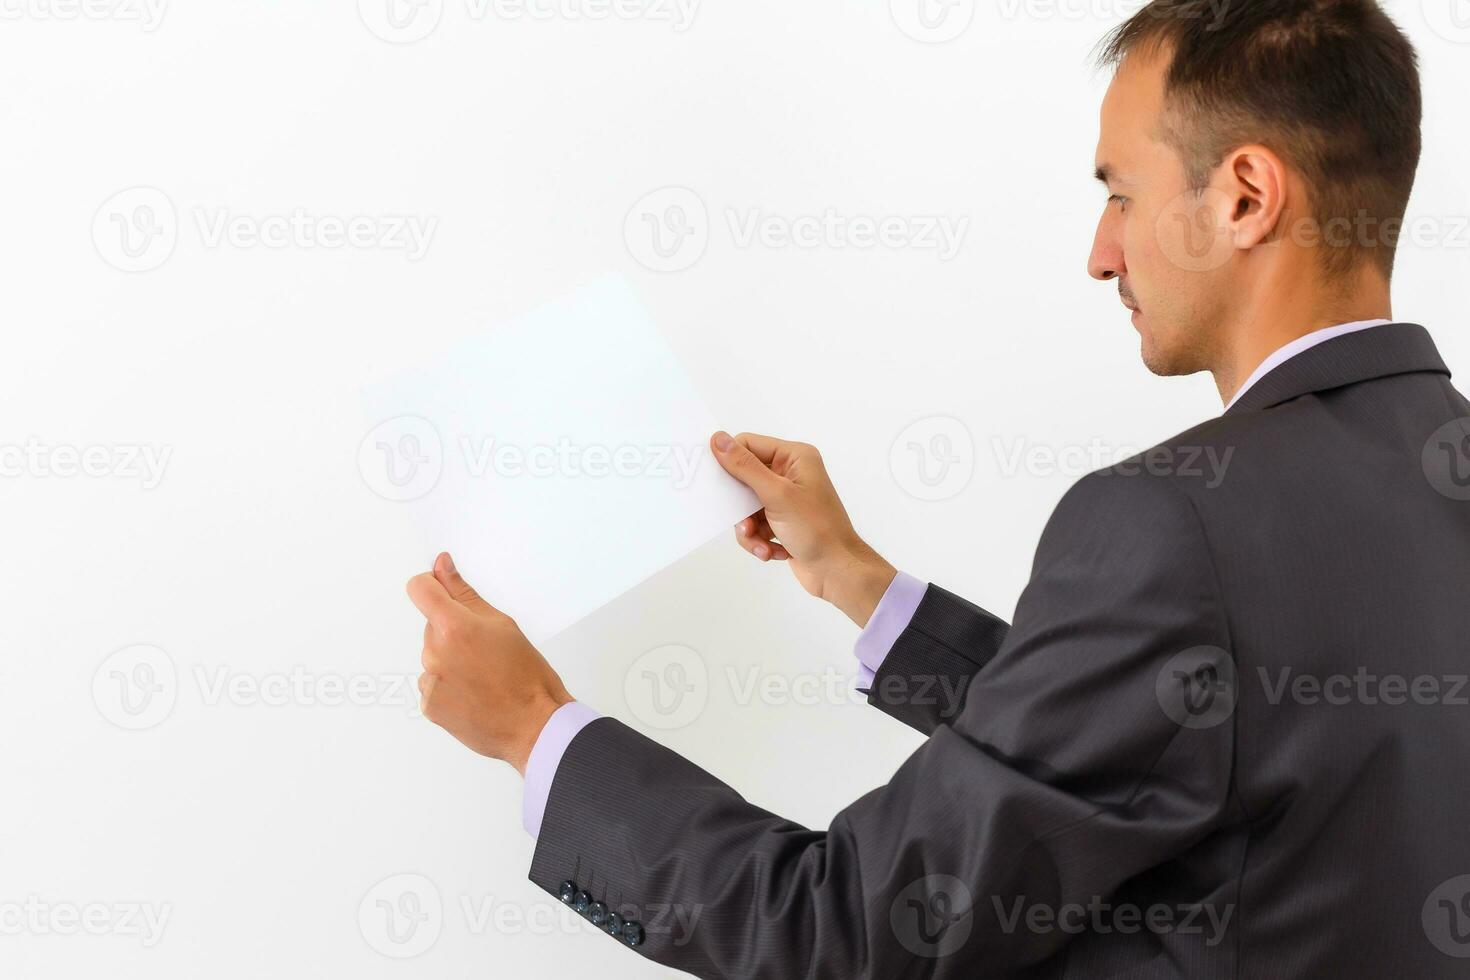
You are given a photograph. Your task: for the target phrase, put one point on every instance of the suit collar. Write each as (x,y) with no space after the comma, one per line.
(1394,348)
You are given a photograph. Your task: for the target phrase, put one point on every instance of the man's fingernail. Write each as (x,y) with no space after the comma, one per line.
(723,442)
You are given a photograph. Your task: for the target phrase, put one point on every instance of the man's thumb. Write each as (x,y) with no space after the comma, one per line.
(449,577)
(746,466)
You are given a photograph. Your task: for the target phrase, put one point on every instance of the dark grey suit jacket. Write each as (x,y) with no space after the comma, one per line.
(1227,735)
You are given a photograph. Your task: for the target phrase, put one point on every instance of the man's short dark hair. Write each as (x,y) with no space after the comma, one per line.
(1331,85)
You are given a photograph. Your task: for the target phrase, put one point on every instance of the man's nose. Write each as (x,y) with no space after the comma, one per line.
(1106,260)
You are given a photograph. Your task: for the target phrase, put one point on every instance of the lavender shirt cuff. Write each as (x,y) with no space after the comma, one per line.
(894,613)
(563,725)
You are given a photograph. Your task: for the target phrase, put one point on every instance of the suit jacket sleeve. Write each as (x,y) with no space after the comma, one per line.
(925,677)
(1068,771)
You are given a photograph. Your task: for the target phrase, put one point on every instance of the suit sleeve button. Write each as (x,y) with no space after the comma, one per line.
(614,925)
(597,913)
(633,934)
(567,893)
(581,901)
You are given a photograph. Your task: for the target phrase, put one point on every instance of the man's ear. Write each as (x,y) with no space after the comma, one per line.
(1255,180)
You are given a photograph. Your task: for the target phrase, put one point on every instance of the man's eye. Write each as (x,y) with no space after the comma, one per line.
(1118,199)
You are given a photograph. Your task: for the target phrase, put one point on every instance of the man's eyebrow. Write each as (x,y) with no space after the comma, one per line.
(1111,178)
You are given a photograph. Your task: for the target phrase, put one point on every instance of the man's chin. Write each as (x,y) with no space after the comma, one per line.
(1159,361)
(1167,363)
(1153,358)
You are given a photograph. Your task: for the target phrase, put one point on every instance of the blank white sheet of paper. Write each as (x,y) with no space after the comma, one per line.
(562,457)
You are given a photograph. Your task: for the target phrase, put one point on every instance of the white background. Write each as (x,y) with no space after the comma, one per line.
(263,825)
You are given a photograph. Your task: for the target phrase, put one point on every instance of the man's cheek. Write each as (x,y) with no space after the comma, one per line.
(1164,244)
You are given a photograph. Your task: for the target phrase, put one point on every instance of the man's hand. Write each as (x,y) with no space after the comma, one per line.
(803,522)
(483,682)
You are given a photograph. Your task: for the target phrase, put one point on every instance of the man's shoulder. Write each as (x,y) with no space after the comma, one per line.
(1195,460)
(1160,488)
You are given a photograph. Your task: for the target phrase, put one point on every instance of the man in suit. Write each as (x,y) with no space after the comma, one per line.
(1227,734)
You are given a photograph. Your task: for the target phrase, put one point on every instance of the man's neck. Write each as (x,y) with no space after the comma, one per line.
(1285,316)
